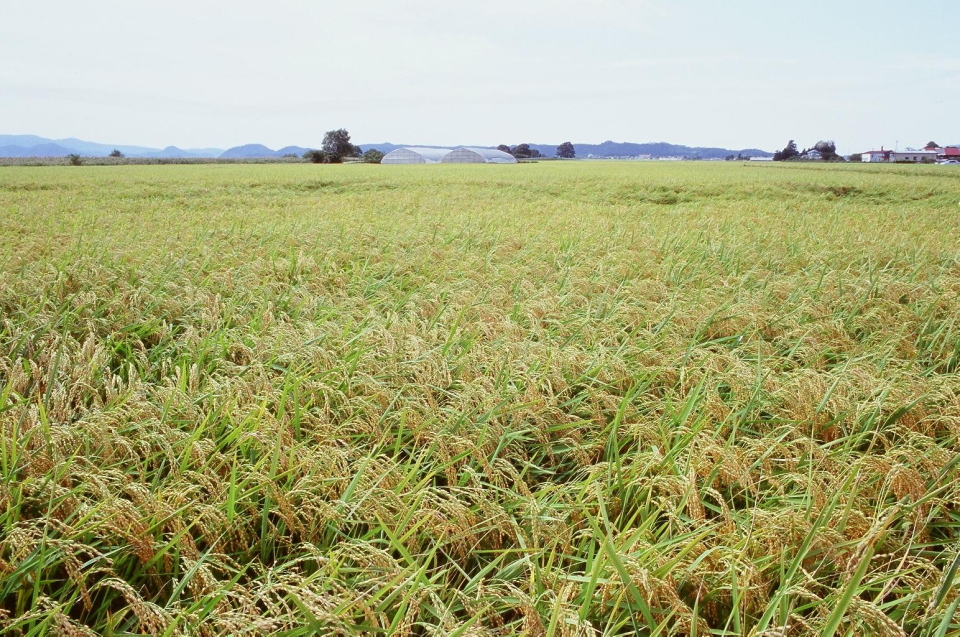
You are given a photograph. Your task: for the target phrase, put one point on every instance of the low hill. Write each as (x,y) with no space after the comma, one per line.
(171,151)
(292,150)
(39,150)
(96,149)
(248,151)
(36,146)
(616,149)
(653,149)
(205,152)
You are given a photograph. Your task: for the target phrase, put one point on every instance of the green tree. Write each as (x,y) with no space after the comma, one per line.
(372,156)
(827,150)
(75,159)
(316,156)
(789,151)
(336,146)
(116,153)
(504,148)
(521,151)
(566,151)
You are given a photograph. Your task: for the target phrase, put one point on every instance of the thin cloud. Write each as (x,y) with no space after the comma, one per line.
(699,61)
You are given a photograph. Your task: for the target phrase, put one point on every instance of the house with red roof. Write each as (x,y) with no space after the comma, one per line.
(948,153)
(927,155)
(874,156)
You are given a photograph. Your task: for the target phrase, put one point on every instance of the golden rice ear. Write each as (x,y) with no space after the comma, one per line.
(583,399)
(152,619)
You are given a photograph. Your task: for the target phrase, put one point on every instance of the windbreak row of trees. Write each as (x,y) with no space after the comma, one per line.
(825,151)
(523,151)
(337,146)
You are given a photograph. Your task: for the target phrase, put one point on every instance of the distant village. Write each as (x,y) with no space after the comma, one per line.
(931,154)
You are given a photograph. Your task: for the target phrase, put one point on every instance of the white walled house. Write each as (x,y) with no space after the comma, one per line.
(876,156)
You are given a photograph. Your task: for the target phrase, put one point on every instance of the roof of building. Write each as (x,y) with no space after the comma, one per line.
(951,151)
(488,155)
(492,154)
(429,155)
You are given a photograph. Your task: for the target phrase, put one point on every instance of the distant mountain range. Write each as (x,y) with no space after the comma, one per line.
(613,149)
(34,146)
(251,151)
(654,149)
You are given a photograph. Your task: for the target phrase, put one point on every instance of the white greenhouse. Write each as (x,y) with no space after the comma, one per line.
(478,156)
(415,155)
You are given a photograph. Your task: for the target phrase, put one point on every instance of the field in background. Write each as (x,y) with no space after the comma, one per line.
(142,161)
(550,399)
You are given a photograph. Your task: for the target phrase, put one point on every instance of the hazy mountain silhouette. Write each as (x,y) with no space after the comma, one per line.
(654,149)
(35,146)
(617,149)
(171,151)
(37,150)
(248,151)
(292,150)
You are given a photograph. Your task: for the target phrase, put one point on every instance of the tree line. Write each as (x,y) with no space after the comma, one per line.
(523,151)
(826,149)
(337,146)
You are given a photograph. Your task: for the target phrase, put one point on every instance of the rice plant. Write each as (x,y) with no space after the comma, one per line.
(547,399)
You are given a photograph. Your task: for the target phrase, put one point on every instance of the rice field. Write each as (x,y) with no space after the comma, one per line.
(547,399)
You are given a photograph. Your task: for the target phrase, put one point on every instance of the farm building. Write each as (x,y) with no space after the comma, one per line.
(916,156)
(874,156)
(415,155)
(478,156)
(948,153)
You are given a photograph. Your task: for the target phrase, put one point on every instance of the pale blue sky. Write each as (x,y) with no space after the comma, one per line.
(750,73)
